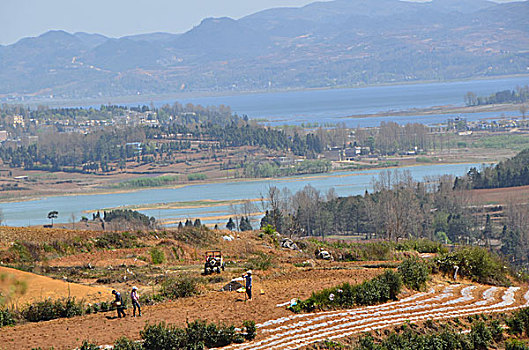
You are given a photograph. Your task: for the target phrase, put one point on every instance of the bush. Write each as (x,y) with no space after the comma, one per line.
(195,177)
(414,273)
(89,346)
(157,256)
(518,323)
(180,287)
(377,290)
(422,246)
(197,335)
(514,344)
(476,263)
(7,318)
(480,336)
(127,344)
(49,310)
(116,240)
(261,261)
(250,330)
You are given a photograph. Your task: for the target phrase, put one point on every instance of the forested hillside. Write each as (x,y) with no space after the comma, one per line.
(511,172)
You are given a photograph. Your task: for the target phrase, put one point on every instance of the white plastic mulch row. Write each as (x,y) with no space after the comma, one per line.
(297,331)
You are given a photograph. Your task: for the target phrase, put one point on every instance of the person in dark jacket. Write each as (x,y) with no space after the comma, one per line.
(248,287)
(118,302)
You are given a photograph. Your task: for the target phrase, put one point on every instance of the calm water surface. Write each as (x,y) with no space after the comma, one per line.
(346,183)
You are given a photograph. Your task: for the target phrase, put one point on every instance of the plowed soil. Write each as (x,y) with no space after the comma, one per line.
(229,307)
(21,288)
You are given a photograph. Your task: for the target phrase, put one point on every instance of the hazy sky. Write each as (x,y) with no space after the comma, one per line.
(115,18)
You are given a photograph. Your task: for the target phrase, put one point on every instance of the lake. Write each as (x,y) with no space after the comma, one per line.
(346,183)
(330,106)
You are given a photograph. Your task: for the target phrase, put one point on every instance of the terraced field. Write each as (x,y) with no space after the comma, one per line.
(441,302)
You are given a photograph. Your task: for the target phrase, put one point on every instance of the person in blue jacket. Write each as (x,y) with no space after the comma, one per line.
(118,302)
(248,287)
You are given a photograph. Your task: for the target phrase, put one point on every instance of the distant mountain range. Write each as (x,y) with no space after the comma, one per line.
(324,44)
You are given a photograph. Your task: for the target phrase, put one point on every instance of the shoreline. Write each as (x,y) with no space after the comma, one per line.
(434,110)
(175,96)
(332,173)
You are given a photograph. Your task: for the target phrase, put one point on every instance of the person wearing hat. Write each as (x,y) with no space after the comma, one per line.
(248,287)
(135,301)
(118,303)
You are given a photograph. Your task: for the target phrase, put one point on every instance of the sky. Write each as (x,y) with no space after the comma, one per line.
(116,18)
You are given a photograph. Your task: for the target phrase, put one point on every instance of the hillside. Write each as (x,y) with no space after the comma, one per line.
(96,262)
(324,44)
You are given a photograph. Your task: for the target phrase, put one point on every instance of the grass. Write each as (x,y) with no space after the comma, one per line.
(159,181)
(514,142)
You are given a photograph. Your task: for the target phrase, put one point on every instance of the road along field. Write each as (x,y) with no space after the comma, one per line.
(441,302)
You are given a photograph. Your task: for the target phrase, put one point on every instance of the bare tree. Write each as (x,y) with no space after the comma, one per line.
(72,219)
(523,110)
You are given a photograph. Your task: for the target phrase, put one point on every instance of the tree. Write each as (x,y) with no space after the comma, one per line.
(523,110)
(471,99)
(245,224)
(53,215)
(230,225)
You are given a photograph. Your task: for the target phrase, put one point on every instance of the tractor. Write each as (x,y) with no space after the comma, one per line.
(213,262)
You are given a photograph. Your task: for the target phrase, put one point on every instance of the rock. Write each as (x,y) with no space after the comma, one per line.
(309,262)
(289,244)
(325,255)
(228,238)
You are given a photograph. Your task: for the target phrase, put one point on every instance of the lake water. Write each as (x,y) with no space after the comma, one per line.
(330,106)
(34,212)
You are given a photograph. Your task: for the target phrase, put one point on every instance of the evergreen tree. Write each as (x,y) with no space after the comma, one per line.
(230,225)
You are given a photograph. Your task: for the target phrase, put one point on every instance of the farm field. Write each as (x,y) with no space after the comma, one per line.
(280,275)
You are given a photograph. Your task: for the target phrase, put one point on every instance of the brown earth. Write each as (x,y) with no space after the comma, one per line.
(8,235)
(20,288)
(502,195)
(278,286)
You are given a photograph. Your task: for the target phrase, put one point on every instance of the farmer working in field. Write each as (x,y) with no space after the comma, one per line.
(248,278)
(118,302)
(135,301)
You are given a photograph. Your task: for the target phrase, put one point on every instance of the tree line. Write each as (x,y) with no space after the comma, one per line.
(508,173)
(400,208)
(519,95)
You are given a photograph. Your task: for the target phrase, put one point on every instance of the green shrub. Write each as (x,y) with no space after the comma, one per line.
(117,240)
(518,323)
(197,335)
(7,318)
(480,336)
(250,330)
(195,177)
(414,273)
(162,337)
(422,245)
(515,344)
(89,346)
(179,287)
(49,310)
(157,256)
(377,290)
(476,263)
(127,344)
(260,261)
